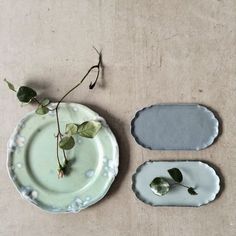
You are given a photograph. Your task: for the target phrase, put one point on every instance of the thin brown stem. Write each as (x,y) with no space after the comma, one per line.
(64,154)
(58,124)
(91,86)
(98,66)
(37,101)
(183,185)
(59,134)
(176,183)
(58,160)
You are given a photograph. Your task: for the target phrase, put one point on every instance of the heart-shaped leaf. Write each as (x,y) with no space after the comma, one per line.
(160,186)
(176,174)
(89,129)
(67,143)
(192,191)
(71,129)
(10,85)
(25,94)
(41,110)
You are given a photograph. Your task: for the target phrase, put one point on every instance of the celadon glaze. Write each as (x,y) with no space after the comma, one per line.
(175,127)
(33,167)
(196,174)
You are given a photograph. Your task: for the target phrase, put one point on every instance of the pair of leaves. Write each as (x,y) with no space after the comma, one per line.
(160,186)
(88,129)
(177,176)
(42,108)
(24,94)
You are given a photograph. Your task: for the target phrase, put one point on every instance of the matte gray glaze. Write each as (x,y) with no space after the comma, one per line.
(196,174)
(175,127)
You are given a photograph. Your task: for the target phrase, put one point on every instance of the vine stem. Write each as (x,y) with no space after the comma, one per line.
(91,86)
(176,183)
(37,101)
(58,160)
(98,66)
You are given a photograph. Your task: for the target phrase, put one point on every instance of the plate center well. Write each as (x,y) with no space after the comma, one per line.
(41,162)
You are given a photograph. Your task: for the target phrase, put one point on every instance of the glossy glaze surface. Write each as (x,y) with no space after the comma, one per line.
(196,174)
(175,127)
(33,168)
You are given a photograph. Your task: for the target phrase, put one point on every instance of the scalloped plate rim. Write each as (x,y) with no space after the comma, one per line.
(138,195)
(173,104)
(43,208)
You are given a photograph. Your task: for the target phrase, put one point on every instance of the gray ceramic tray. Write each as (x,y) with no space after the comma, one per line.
(175,127)
(195,173)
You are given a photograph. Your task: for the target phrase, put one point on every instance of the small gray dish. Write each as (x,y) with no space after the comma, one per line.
(196,174)
(175,127)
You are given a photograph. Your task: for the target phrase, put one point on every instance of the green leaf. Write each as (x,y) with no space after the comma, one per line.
(25,94)
(160,186)
(192,191)
(89,129)
(10,85)
(67,143)
(176,174)
(41,110)
(45,102)
(71,129)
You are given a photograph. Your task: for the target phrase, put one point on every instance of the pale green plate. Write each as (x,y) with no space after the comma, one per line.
(33,168)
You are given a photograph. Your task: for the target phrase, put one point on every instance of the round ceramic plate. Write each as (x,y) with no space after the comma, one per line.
(32,161)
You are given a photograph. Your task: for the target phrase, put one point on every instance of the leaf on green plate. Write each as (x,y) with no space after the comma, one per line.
(25,94)
(176,174)
(10,85)
(71,129)
(67,143)
(45,102)
(41,110)
(160,186)
(192,191)
(89,129)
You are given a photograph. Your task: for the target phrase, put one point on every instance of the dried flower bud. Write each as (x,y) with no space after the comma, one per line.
(60,172)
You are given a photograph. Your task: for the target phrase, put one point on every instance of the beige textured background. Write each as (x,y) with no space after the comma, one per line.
(154,52)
